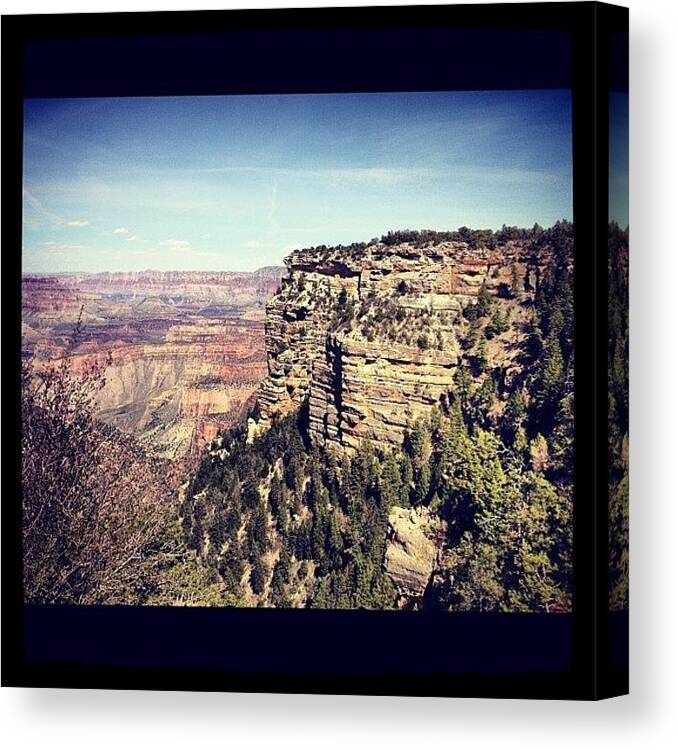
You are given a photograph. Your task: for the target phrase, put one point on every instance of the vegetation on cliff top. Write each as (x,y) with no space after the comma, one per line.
(558,235)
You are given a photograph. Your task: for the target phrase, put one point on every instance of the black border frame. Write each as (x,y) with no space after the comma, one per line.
(587,25)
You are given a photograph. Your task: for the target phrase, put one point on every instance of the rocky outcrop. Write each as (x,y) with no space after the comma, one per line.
(371,335)
(411,549)
(359,391)
(297,321)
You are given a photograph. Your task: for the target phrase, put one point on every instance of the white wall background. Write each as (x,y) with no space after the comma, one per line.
(646,719)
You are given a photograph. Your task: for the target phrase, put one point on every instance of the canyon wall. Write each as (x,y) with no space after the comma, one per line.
(182,352)
(371,336)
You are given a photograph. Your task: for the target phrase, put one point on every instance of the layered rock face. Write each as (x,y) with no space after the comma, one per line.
(371,335)
(411,549)
(182,352)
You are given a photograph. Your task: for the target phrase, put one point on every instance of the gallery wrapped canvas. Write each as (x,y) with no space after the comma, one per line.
(320,339)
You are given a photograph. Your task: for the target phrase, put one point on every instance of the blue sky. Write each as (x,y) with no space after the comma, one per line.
(236,182)
(619,159)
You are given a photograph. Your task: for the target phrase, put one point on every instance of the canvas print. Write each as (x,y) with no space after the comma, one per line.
(303,351)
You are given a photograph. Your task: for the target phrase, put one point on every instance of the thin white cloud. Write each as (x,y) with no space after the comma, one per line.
(273,208)
(254,244)
(379,176)
(40,209)
(63,247)
(121,230)
(176,244)
(132,238)
(360,175)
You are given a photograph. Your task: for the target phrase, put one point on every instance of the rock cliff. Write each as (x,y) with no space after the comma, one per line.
(371,335)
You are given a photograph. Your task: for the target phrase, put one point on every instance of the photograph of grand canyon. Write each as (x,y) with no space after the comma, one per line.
(301,351)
